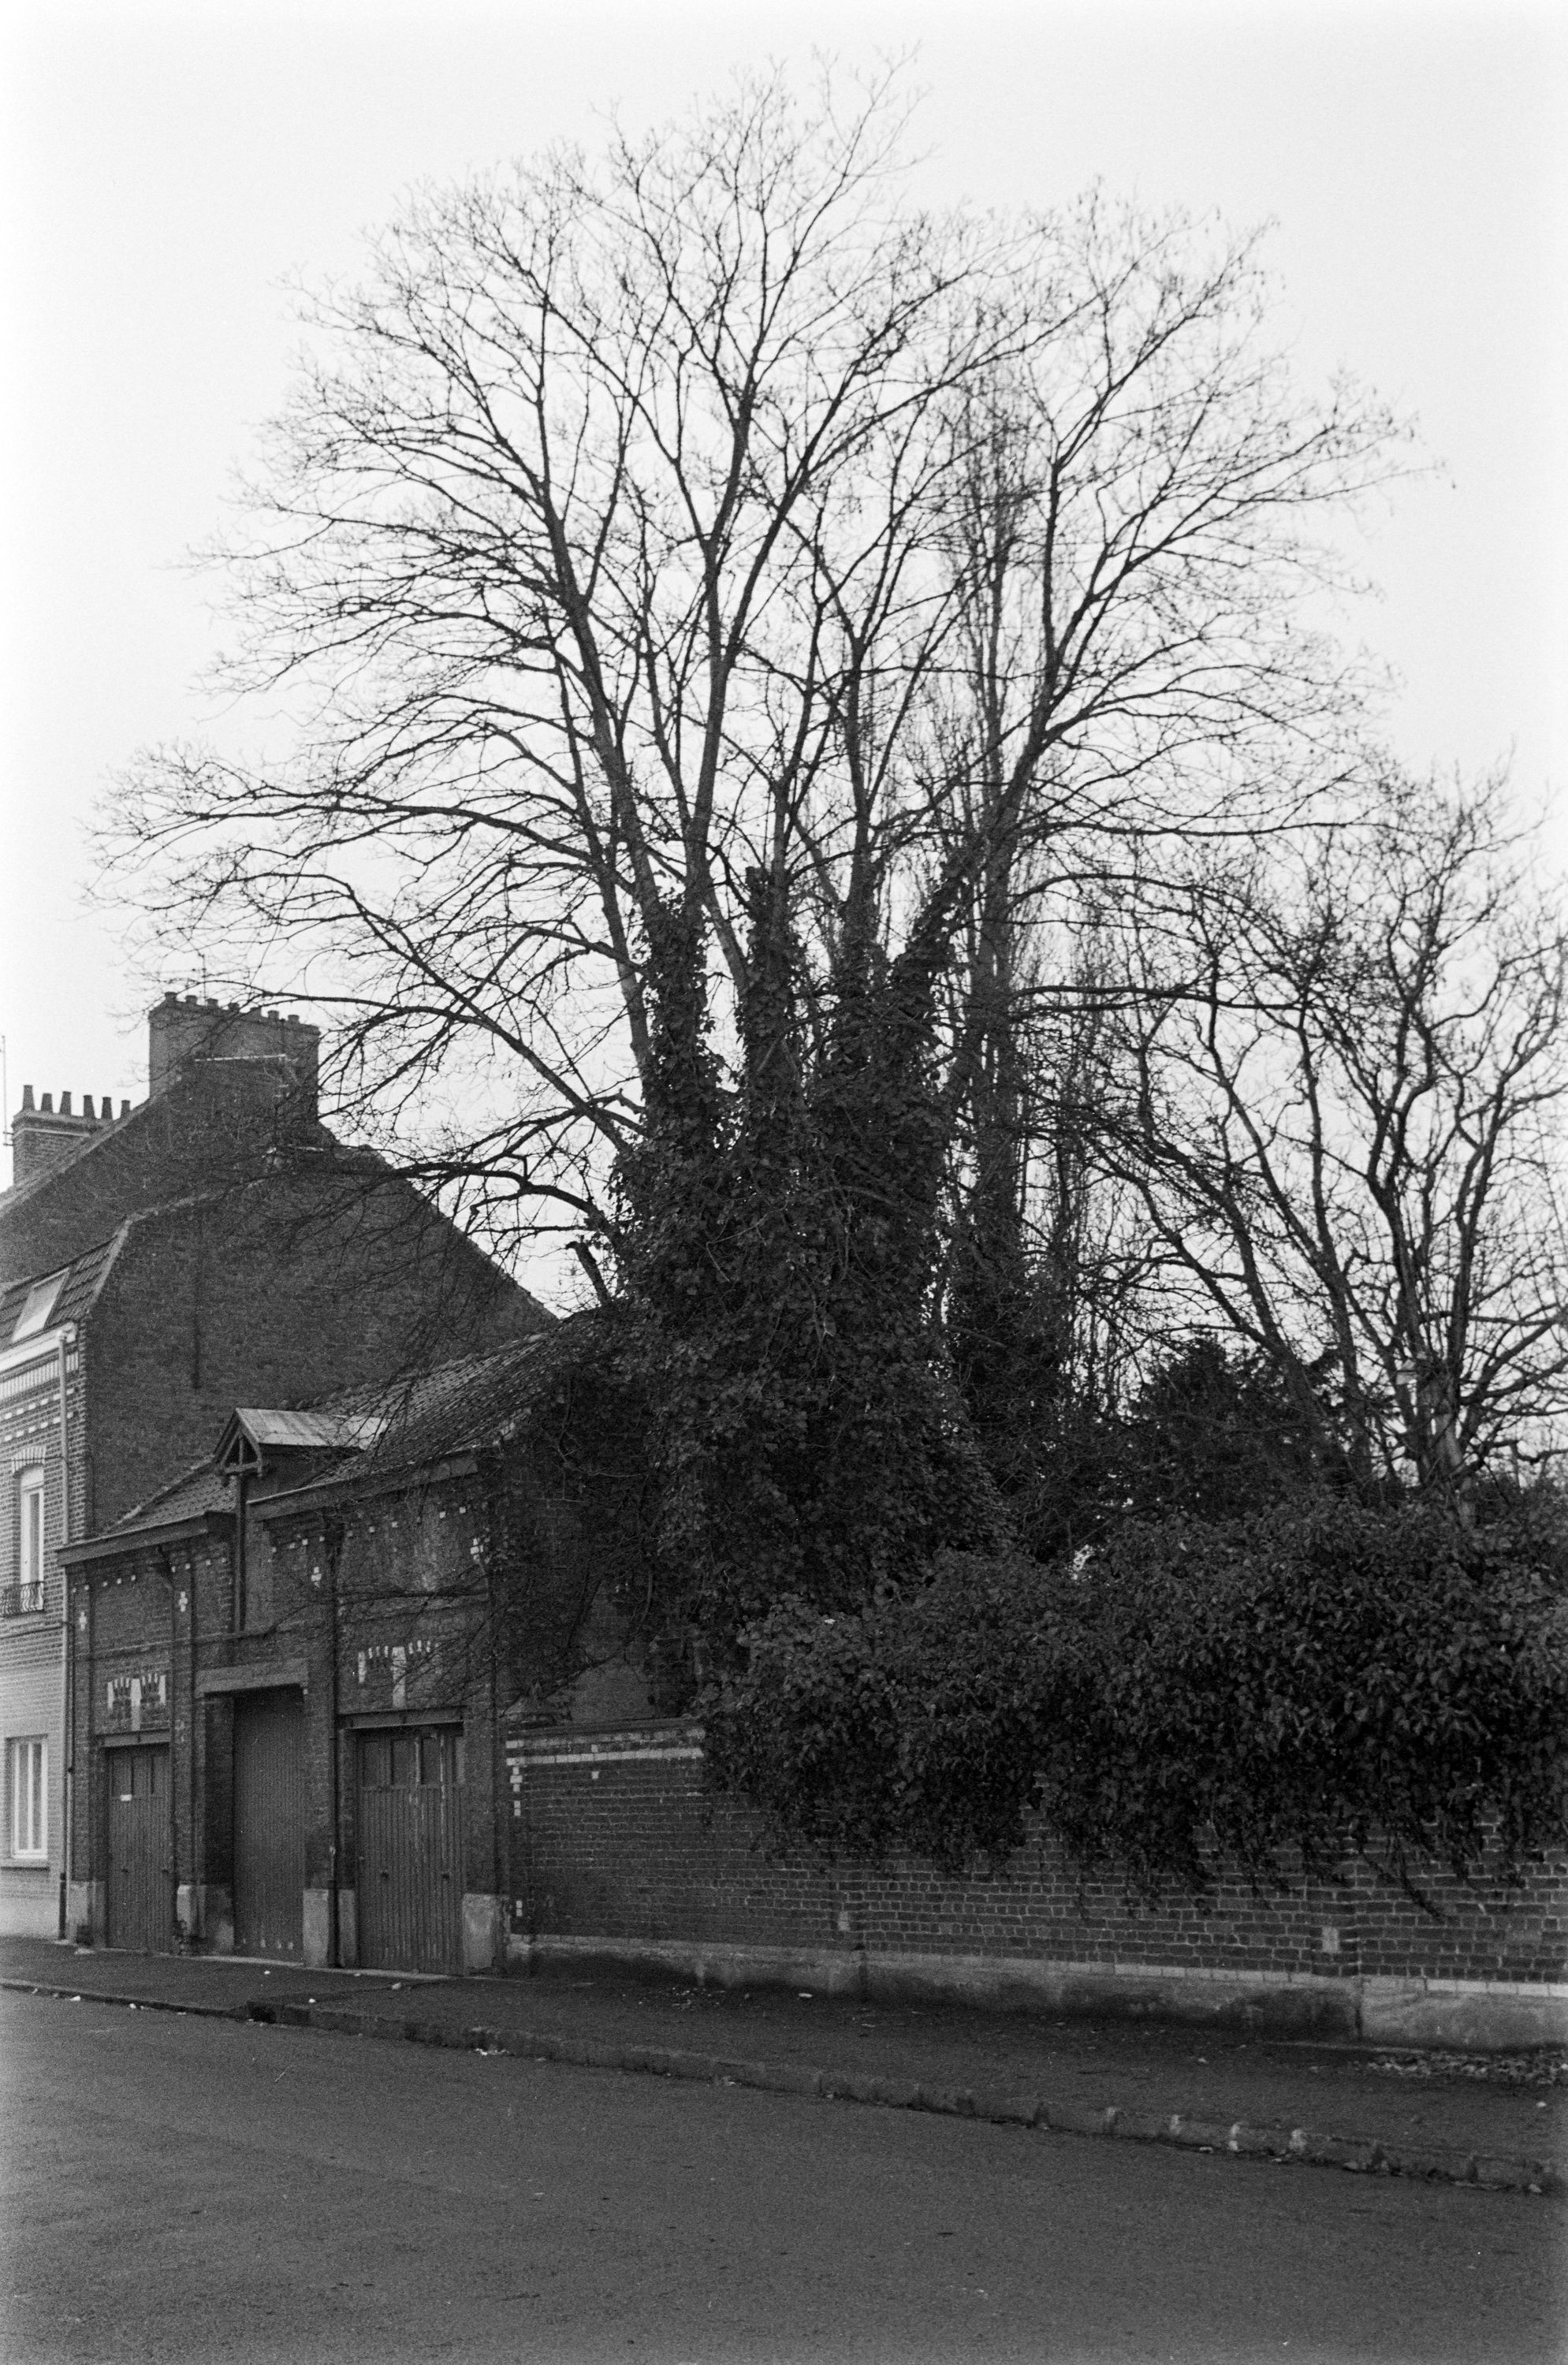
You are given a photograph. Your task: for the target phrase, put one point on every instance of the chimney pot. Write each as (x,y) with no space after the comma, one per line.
(46,1106)
(87,1108)
(27,1096)
(125,1108)
(65,1104)
(190,1034)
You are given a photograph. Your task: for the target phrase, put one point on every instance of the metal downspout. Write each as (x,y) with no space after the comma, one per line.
(67,1738)
(237,1611)
(331,1546)
(173,1789)
(198,1917)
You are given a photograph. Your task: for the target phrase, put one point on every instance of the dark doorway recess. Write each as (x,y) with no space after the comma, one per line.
(141,1907)
(269,1824)
(410,1849)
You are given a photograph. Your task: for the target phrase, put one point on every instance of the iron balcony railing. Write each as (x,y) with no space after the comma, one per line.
(22,1600)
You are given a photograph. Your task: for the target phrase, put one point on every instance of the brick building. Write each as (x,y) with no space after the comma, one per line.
(289,1672)
(214,1245)
(318,1677)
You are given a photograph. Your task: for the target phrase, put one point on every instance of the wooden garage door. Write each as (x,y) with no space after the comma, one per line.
(269,1824)
(140,1906)
(409,1877)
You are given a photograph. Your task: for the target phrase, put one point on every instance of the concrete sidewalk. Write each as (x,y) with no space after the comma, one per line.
(1483,2119)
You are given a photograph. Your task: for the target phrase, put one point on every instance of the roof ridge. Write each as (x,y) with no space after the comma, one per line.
(421,1374)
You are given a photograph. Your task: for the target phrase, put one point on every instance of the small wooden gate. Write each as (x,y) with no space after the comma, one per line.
(409,1882)
(269,1824)
(140,1903)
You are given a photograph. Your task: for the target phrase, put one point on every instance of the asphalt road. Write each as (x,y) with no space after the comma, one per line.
(178,2189)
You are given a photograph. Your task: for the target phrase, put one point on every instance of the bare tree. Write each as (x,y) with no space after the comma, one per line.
(1341,1095)
(705,508)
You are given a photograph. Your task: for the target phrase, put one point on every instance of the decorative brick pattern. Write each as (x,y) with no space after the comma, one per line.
(30,1642)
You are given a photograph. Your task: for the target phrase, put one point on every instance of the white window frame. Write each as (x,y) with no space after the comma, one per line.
(26,1784)
(38,1305)
(32,1537)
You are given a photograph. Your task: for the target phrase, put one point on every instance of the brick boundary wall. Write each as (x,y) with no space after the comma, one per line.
(618,1852)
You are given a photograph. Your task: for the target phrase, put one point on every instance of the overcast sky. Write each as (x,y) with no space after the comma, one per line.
(167,169)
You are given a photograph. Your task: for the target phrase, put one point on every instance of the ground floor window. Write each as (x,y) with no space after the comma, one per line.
(25,1772)
(413,1757)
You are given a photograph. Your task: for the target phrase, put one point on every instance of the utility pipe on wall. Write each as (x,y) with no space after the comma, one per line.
(239,1612)
(174,1933)
(332,1548)
(67,1751)
(197,1856)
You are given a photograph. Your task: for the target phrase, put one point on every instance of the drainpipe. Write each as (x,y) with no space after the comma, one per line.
(498,1783)
(94,1790)
(197,1855)
(67,1751)
(173,1824)
(236,1617)
(331,1545)
(68,1746)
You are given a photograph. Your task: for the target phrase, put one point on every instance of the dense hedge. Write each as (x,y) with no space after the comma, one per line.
(1297,1689)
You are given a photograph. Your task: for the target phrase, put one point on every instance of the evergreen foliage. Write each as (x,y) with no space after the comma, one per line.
(777,1253)
(1285,1693)
(1215,1434)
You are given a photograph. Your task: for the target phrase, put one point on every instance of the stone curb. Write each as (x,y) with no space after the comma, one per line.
(1361,2155)
(130,2003)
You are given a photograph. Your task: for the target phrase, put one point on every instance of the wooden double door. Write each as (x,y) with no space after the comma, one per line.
(269,1824)
(409,1874)
(139,1899)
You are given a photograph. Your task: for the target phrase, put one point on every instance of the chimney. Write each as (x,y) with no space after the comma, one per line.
(182,1033)
(44,1137)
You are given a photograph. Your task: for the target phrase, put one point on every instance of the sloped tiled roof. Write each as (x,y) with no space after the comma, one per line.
(199,1490)
(83,1277)
(457,1407)
(460,1406)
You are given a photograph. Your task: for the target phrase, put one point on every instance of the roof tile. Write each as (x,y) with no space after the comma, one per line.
(83,1277)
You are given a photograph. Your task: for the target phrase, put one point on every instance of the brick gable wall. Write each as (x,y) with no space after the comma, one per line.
(287,1289)
(213,1127)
